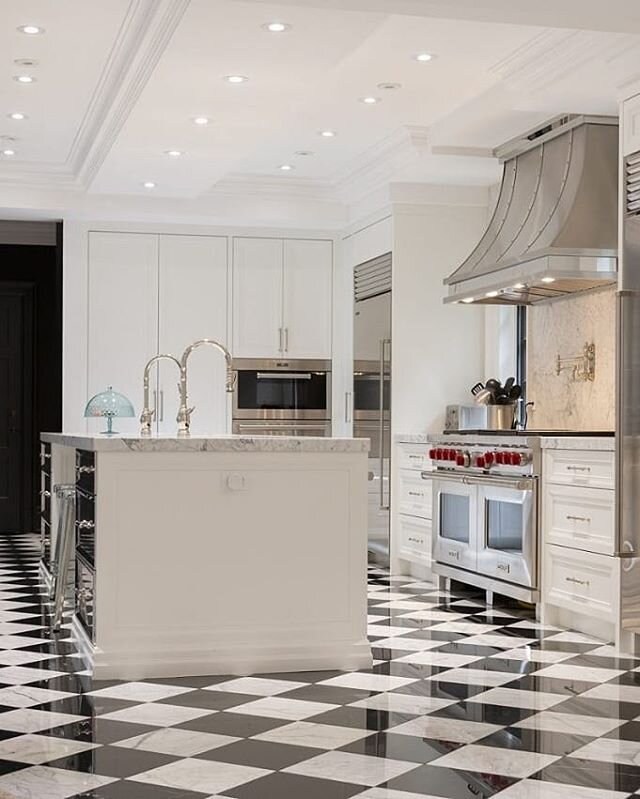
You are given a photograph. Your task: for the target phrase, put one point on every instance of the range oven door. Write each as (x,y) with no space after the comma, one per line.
(507,530)
(455,513)
(272,390)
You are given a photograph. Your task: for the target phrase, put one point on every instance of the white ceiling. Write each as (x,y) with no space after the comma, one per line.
(119,82)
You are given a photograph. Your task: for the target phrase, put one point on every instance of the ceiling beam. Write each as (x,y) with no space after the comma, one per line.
(621,16)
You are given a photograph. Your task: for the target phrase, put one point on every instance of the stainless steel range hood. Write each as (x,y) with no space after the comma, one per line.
(554,230)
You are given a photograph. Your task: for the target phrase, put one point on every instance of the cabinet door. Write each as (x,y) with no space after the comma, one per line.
(308,280)
(631,125)
(193,305)
(257,298)
(123,316)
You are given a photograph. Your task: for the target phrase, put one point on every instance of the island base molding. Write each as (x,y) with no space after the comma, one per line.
(196,661)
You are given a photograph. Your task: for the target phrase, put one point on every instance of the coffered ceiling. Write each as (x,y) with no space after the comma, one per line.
(119,84)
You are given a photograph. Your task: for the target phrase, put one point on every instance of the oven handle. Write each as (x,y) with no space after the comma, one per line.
(283,375)
(518,483)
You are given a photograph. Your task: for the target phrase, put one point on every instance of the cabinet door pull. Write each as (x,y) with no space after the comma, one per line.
(45,493)
(579,468)
(579,519)
(85,525)
(86,469)
(416,494)
(286,339)
(280,346)
(347,406)
(577,581)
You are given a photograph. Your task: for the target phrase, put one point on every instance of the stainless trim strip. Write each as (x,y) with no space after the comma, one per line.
(517,483)
(283,375)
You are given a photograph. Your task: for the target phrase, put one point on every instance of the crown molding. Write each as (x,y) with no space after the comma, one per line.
(144,33)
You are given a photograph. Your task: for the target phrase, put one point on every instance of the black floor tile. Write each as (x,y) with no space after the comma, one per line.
(261,754)
(239,725)
(449,783)
(292,786)
(400,747)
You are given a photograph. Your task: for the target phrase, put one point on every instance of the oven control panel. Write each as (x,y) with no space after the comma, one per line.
(482,458)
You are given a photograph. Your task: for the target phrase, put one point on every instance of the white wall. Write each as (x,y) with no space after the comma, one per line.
(438,349)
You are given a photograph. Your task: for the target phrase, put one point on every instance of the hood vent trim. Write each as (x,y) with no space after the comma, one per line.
(372,278)
(554,228)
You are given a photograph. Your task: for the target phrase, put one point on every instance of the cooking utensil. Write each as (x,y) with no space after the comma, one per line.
(503,399)
(477,388)
(492,384)
(515,393)
(484,397)
(509,384)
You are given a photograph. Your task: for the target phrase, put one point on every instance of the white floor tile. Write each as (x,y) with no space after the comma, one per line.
(277,708)
(29,720)
(571,723)
(495,760)
(404,703)
(611,750)
(408,644)
(159,715)
(316,736)
(435,658)
(444,729)
(39,782)
(22,675)
(254,685)
(139,691)
(498,641)
(615,692)
(29,695)
(36,749)
(348,767)
(564,671)
(434,615)
(535,655)
(471,676)
(465,627)
(539,789)
(513,697)
(182,743)
(368,682)
(200,775)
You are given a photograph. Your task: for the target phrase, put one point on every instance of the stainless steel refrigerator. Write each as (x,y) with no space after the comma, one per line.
(372,391)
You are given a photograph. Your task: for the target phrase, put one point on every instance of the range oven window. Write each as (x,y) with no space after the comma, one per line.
(293,391)
(454,517)
(504,525)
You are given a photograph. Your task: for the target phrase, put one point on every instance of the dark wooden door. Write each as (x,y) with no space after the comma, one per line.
(15,407)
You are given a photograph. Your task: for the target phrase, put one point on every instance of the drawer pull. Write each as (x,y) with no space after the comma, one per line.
(86,469)
(576,581)
(416,494)
(45,493)
(579,519)
(46,456)
(579,468)
(415,540)
(85,525)
(415,457)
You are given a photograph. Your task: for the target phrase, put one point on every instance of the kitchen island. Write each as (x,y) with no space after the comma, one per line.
(217,555)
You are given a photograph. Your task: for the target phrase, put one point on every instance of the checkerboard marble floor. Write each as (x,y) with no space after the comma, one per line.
(463,701)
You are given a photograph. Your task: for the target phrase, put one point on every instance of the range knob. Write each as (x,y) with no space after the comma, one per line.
(489,458)
(432,454)
(500,457)
(481,461)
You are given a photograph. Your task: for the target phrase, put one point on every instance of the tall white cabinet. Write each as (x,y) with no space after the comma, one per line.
(122,316)
(282,298)
(151,294)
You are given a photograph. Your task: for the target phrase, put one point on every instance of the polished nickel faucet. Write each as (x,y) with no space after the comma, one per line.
(148,415)
(184,412)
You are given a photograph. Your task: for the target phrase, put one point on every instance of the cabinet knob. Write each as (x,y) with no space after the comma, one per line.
(236,482)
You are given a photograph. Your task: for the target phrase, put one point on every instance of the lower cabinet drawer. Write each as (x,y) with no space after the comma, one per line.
(581,581)
(415,494)
(414,539)
(413,456)
(579,467)
(582,518)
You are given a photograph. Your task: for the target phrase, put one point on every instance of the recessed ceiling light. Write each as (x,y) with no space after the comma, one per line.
(31,30)
(491,294)
(304,153)
(149,184)
(468,299)
(423,58)
(17,115)
(370,100)
(276,27)
(236,78)
(24,78)
(286,167)
(201,120)
(174,153)
(386,87)
(8,152)
(548,280)
(328,134)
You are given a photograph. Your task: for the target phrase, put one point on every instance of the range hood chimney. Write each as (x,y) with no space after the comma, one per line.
(554,230)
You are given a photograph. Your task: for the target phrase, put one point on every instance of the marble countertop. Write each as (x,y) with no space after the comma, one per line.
(411,438)
(231,443)
(602,443)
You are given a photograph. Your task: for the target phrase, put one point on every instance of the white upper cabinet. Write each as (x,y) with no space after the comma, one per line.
(282,298)
(193,306)
(122,316)
(307,293)
(257,298)
(631,125)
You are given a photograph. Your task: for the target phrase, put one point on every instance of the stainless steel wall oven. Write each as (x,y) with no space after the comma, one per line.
(282,397)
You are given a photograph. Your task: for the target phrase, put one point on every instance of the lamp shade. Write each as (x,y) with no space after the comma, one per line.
(109,404)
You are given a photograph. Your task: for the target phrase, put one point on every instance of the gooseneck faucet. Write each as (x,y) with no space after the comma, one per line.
(184,412)
(148,414)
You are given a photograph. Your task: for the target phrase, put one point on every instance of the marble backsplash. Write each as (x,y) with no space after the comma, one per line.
(563,327)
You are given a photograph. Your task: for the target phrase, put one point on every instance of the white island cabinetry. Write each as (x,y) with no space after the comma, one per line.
(189,536)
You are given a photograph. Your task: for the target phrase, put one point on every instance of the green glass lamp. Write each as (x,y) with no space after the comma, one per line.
(109,404)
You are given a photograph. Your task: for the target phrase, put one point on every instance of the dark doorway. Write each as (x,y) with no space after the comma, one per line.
(30,372)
